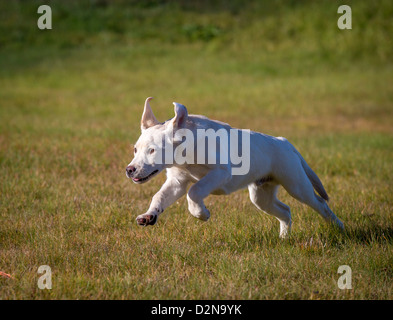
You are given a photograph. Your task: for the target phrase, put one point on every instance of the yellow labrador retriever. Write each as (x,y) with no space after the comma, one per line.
(205,153)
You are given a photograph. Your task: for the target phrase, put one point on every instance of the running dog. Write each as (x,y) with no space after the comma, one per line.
(273,161)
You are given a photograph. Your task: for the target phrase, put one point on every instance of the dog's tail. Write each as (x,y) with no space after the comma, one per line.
(312,176)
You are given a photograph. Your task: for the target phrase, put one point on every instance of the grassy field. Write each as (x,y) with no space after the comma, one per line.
(70,105)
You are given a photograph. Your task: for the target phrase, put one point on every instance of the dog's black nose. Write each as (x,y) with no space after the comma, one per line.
(130,170)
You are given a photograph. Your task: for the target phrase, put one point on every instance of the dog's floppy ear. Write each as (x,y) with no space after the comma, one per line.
(181,115)
(148,119)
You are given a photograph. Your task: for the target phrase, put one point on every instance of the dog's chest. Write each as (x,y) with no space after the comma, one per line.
(195,173)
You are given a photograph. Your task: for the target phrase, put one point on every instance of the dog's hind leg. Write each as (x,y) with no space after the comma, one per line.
(264,198)
(300,187)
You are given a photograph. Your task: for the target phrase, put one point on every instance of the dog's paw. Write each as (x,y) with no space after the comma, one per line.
(201,214)
(146,219)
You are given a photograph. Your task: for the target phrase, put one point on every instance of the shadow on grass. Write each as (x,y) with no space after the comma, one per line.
(370,234)
(357,234)
(326,236)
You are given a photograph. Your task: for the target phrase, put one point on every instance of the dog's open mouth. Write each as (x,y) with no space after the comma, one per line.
(140,180)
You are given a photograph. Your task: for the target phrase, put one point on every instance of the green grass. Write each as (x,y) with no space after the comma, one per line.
(70,105)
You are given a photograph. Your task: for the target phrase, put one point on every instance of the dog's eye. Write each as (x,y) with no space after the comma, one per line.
(152,151)
(135,150)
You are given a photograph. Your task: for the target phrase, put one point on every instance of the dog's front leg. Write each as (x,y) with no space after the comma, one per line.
(171,190)
(212,181)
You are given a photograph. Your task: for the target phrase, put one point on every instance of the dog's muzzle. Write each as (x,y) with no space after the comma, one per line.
(130,170)
(130,173)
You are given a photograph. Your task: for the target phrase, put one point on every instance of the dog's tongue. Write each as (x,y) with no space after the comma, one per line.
(136,179)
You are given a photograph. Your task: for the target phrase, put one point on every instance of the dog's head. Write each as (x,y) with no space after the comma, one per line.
(156,137)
